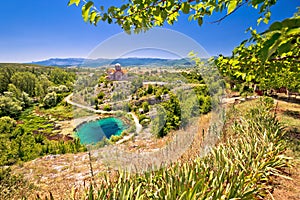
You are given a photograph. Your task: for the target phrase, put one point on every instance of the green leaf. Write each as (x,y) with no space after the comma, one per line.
(185,7)
(291,22)
(284,47)
(256,2)
(267,17)
(71,2)
(259,20)
(293,31)
(265,51)
(232,5)
(97,19)
(275,26)
(156,11)
(93,16)
(191,17)
(200,21)
(86,9)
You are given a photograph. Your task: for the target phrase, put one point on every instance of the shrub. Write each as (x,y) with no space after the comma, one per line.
(7,125)
(107,107)
(50,100)
(101,95)
(115,138)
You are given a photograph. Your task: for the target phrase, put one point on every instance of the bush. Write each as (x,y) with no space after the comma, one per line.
(50,100)
(9,107)
(124,133)
(206,106)
(142,117)
(145,122)
(7,125)
(115,138)
(145,106)
(101,95)
(62,89)
(107,107)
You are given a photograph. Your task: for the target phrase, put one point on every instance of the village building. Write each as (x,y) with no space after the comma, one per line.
(116,74)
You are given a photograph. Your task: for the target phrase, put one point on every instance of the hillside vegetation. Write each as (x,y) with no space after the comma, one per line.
(26,134)
(251,152)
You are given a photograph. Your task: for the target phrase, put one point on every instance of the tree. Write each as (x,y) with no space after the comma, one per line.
(145,106)
(7,125)
(15,93)
(136,84)
(6,73)
(270,59)
(150,89)
(101,95)
(9,107)
(139,15)
(25,81)
(107,107)
(50,100)
(59,76)
(43,85)
(63,89)
(158,123)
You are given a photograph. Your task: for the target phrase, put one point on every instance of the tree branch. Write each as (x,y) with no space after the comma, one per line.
(222,18)
(297,57)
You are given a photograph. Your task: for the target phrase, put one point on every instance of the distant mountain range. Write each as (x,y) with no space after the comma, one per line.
(82,62)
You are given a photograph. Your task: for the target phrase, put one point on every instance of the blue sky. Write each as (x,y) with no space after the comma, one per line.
(34,30)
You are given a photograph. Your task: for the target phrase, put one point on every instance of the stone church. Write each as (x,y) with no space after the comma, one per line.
(117,74)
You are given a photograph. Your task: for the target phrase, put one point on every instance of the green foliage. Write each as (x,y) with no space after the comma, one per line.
(28,140)
(142,117)
(107,107)
(22,86)
(101,95)
(205,104)
(145,106)
(168,117)
(115,138)
(136,84)
(61,77)
(50,100)
(7,125)
(9,107)
(270,59)
(25,81)
(150,89)
(140,15)
(158,123)
(20,146)
(193,77)
(34,80)
(14,90)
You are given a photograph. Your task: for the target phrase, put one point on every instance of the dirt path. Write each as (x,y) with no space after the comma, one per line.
(285,189)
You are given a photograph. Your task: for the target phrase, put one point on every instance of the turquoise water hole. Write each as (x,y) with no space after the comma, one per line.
(94,131)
